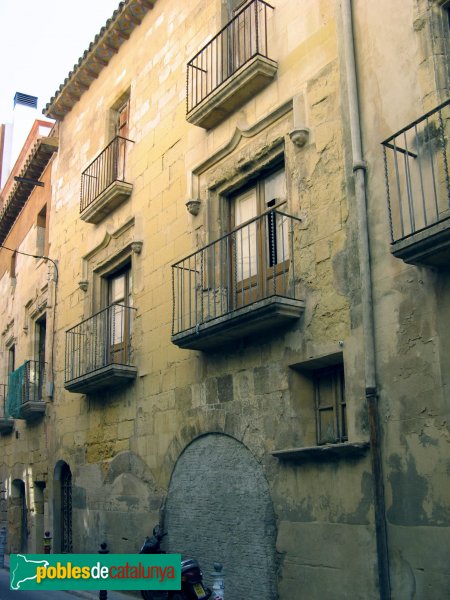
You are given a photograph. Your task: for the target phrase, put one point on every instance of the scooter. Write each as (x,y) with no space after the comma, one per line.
(192,587)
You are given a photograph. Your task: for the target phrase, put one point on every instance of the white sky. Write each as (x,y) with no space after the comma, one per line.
(40,41)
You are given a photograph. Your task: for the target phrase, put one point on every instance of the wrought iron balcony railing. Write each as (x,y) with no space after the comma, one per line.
(244,37)
(254,262)
(107,168)
(416,160)
(26,385)
(99,350)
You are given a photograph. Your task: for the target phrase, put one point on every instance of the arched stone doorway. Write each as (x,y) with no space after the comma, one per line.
(18,517)
(219,509)
(62,505)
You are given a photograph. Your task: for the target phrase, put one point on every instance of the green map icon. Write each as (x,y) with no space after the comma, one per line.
(24,570)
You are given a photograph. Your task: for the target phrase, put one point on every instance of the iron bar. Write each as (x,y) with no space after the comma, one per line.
(239,40)
(417,121)
(422,191)
(253,262)
(418,187)
(101,340)
(444,155)
(107,167)
(435,195)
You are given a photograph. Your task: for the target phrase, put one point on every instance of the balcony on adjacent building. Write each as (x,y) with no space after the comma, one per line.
(6,421)
(99,351)
(103,184)
(416,160)
(25,391)
(231,68)
(243,284)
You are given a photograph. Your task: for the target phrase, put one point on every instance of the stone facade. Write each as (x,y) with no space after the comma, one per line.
(231,424)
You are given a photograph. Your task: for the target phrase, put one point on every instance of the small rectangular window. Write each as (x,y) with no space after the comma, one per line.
(12,266)
(41,334)
(317,388)
(122,121)
(120,131)
(330,405)
(41,232)
(260,238)
(119,302)
(11,359)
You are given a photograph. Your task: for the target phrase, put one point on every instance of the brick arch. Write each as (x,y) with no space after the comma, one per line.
(219,509)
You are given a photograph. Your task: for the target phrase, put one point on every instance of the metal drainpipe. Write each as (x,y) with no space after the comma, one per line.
(359,168)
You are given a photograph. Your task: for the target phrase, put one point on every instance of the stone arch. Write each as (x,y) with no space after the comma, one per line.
(128,462)
(132,493)
(62,507)
(203,424)
(219,509)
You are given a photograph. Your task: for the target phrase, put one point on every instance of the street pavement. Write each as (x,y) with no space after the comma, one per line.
(7,594)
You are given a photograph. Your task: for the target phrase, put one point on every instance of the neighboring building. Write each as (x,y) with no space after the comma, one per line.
(13,135)
(27,284)
(249,343)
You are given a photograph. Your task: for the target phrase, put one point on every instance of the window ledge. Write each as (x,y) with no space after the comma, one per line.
(327,452)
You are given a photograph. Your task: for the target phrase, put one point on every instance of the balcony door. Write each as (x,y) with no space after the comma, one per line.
(239,44)
(244,30)
(121,129)
(41,334)
(119,287)
(260,241)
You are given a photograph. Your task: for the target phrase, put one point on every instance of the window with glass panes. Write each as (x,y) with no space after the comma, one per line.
(260,239)
(119,299)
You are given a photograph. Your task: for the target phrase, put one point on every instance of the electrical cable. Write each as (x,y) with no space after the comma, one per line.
(55,279)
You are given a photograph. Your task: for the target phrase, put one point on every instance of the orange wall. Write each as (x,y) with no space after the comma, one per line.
(38,198)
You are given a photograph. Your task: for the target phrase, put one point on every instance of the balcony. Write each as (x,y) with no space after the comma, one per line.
(6,421)
(231,68)
(103,185)
(243,284)
(99,351)
(25,391)
(416,160)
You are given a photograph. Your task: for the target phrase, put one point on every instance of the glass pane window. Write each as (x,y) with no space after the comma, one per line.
(119,298)
(246,248)
(269,192)
(275,187)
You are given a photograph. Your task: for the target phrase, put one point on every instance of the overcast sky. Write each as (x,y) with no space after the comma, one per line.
(40,41)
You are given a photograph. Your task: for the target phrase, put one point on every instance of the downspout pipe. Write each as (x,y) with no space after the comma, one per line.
(371,394)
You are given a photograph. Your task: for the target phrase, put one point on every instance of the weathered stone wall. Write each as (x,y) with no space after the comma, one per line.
(131,450)
(219,509)
(400,81)
(25,298)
